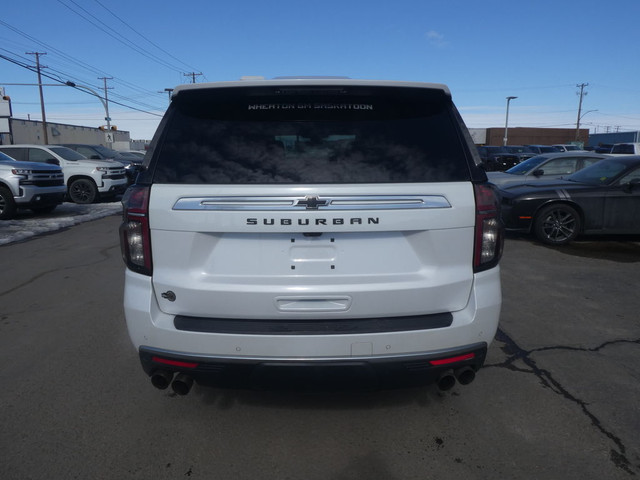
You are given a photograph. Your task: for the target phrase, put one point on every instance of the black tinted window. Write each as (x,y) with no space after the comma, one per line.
(601,173)
(16,153)
(38,155)
(245,136)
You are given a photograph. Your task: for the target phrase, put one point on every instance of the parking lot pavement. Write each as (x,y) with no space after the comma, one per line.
(557,398)
(570,319)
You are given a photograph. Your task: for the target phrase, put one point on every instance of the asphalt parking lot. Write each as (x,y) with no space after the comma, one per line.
(557,398)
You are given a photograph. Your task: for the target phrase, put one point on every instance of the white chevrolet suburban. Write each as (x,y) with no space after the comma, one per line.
(86,180)
(311,232)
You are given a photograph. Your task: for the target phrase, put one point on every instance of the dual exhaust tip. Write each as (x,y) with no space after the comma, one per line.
(181,384)
(447,379)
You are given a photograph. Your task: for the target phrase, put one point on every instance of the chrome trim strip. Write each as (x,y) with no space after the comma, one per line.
(367,202)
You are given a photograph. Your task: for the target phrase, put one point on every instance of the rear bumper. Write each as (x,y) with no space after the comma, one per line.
(384,357)
(305,374)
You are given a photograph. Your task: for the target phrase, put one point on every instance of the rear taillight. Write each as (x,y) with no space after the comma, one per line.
(135,237)
(489,237)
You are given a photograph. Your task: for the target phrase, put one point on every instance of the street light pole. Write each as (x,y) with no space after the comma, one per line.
(578,124)
(104,103)
(93,92)
(506,122)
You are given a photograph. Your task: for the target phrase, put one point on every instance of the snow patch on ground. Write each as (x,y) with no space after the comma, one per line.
(27,224)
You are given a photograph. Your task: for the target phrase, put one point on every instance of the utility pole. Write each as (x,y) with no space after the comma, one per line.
(45,136)
(582,94)
(106,111)
(106,100)
(193,76)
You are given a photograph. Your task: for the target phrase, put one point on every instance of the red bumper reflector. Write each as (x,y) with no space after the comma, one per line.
(459,358)
(174,363)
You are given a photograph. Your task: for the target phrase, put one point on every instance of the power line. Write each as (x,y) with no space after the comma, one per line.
(142,36)
(72,60)
(511,88)
(620,116)
(28,67)
(13,102)
(99,24)
(193,76)
(63,77)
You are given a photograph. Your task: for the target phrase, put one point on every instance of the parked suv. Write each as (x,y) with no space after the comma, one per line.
(523,153)
(302,231)
(496,158)
(86,180)
(29,185)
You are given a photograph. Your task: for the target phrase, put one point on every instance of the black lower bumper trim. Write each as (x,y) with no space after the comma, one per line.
(359,373)
(312,327)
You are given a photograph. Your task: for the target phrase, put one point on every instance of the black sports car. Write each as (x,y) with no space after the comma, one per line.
(601,199)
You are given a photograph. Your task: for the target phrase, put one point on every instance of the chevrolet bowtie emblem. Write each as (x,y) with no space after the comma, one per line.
(311,203)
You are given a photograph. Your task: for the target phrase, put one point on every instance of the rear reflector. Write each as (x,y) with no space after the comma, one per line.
(174,363)
(459,358)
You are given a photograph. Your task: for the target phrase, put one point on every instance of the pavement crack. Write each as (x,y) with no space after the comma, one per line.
(105,255)
(515,352)
(585,349)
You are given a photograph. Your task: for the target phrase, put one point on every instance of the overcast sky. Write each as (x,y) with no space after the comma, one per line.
(538,51)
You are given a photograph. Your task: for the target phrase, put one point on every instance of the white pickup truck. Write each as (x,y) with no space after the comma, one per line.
(87,180)
(626,149)
(31,185)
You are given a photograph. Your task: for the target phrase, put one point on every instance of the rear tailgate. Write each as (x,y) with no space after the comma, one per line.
(269,252)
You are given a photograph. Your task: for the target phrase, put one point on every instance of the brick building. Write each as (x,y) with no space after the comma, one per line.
(528,136)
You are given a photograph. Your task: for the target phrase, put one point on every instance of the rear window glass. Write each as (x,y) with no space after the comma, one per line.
(302,136)
(623,148)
